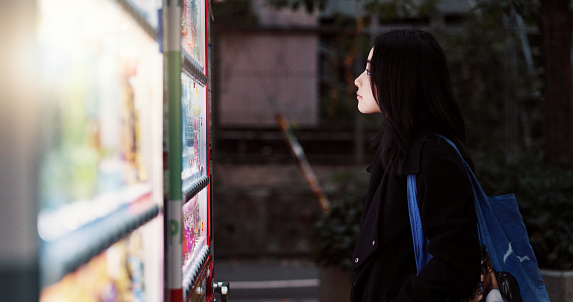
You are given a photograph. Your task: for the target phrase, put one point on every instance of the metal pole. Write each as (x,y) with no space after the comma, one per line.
(172,149)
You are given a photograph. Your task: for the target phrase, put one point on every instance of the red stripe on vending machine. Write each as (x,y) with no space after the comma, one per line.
(176,295)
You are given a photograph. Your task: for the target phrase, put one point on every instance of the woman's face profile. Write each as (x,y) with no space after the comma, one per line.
(366,102)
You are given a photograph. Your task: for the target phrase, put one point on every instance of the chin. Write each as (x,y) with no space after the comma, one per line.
(368,110)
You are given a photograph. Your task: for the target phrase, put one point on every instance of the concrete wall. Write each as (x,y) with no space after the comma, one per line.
(268,70)
(262,74)
(268,210)
(559,285)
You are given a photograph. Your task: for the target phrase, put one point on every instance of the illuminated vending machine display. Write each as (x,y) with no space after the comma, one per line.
(100,174)
(190,268)
(193,174)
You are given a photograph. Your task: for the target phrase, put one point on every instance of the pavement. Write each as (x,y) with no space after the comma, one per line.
(274,280)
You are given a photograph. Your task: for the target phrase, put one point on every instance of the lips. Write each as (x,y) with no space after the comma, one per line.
(358,96)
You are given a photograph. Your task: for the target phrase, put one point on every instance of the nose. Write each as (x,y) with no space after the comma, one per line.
(357,81)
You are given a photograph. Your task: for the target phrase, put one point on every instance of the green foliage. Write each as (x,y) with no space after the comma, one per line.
(475,58)
(523,7)
(235,13)
(309,5)
(484,80)
(428,8)
(335,234)
(392,9)
(345,51)
(545,197)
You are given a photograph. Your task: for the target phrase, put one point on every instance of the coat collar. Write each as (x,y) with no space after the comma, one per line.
(412,160)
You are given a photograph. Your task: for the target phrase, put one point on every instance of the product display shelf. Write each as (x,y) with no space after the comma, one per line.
(192,69)
(193,266)
(191,188)
(73,234)
(192,270)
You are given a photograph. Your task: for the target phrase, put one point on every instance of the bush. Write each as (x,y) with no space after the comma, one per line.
(335,234)
(545,198)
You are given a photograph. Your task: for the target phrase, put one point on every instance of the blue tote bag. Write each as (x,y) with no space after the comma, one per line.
(502,235)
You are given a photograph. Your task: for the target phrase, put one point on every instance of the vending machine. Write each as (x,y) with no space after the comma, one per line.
(116,204)
(188,169)
(100,178)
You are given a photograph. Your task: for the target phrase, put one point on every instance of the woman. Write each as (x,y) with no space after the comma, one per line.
(406,79)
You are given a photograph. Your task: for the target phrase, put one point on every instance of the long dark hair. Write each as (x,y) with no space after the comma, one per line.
(411,84)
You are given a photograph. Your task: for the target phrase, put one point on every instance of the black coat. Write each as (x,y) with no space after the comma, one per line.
(384,266)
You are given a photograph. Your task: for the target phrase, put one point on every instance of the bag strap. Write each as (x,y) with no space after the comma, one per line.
(419,239)
(475,184)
